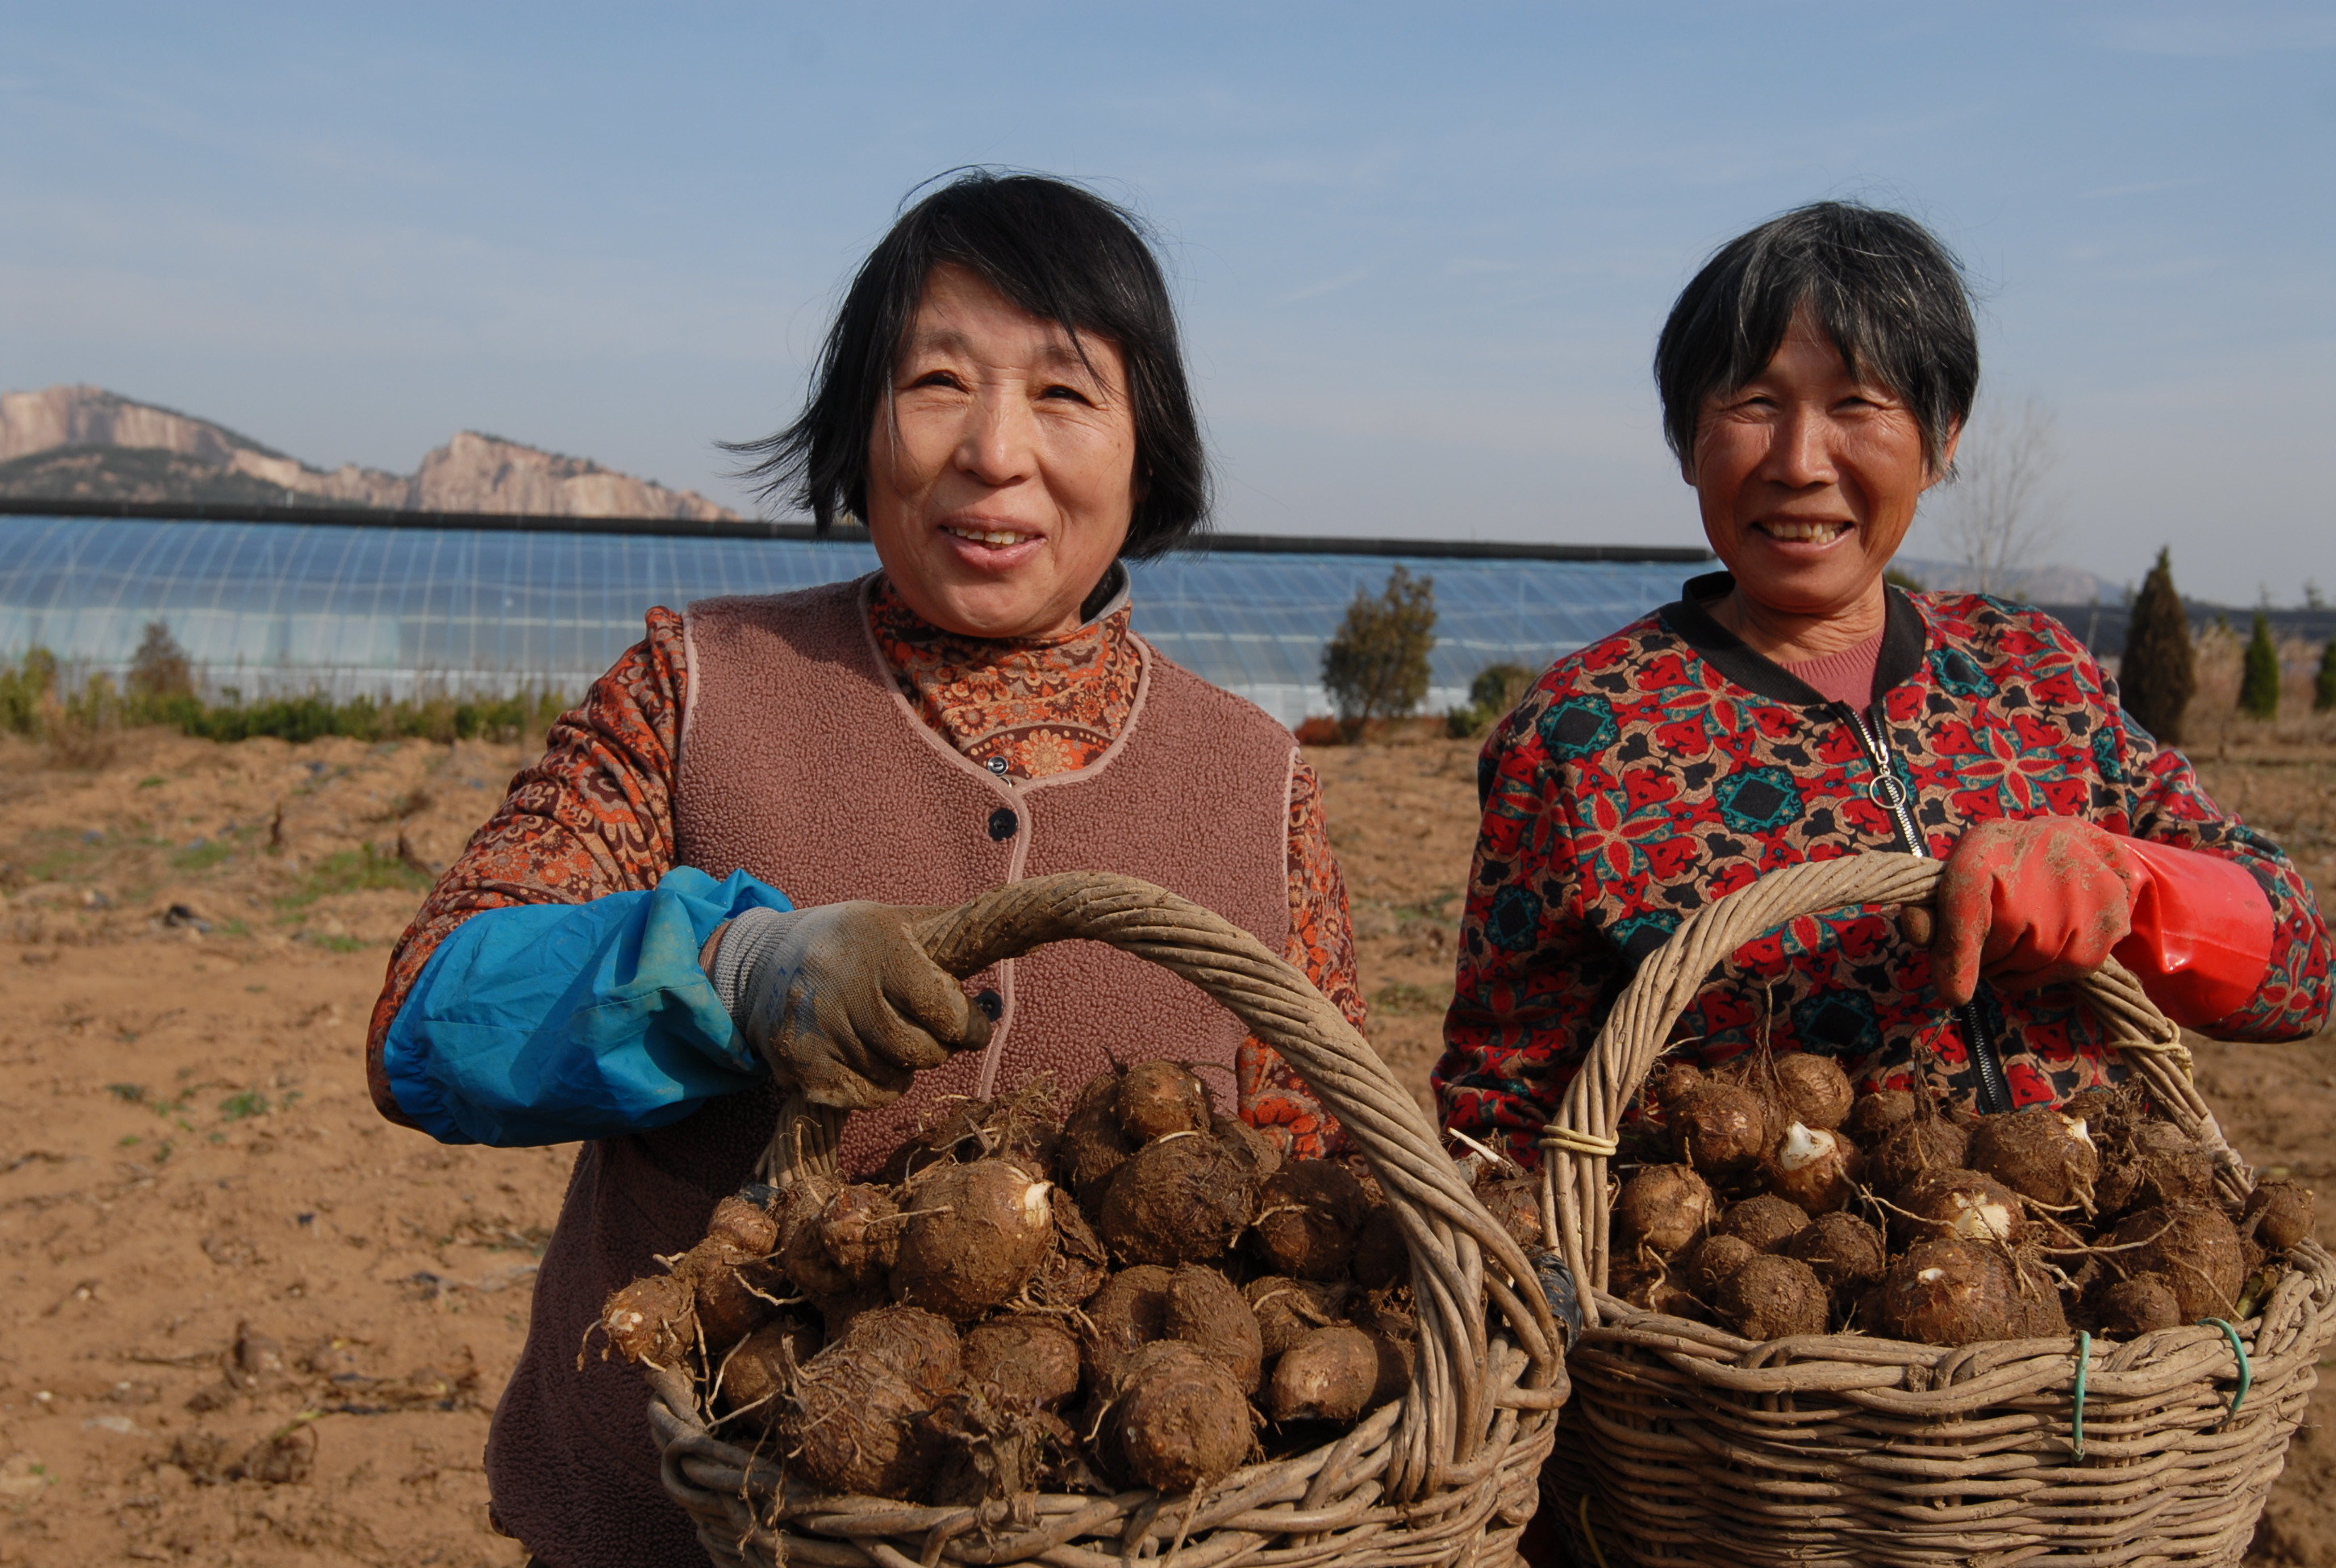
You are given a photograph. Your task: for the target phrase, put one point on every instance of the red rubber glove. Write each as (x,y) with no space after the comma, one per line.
(2036,901)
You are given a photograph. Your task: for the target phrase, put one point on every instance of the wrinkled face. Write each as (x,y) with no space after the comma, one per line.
(1808,478)
(1002,467)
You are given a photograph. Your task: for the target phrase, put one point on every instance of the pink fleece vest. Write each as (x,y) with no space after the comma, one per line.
(802,763)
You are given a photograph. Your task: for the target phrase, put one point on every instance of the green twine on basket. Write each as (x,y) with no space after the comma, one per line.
(2246,1368)
(1588,1534)
(2084,1365)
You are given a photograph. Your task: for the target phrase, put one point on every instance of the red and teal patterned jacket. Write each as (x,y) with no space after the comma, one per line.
(1669,764)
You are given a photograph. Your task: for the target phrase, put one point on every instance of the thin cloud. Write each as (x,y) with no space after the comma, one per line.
(1328,286)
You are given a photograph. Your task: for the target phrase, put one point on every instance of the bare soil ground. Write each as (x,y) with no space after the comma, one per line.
(257,1325)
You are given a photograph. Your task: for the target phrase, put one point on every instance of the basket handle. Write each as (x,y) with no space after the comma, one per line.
(1574,1195)
(1451,1411)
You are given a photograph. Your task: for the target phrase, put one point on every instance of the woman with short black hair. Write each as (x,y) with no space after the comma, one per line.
(684,910)
(1816,376)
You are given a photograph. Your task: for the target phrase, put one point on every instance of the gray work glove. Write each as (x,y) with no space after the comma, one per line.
(842,1001)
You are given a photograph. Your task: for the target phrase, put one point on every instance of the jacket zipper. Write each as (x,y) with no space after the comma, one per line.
(1886,792)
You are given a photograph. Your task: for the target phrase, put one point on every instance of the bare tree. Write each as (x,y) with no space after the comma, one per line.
(1996,517)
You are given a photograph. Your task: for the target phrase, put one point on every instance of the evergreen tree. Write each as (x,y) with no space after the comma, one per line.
(161,668)
(2323,689)
(1376,666)
(2259,681)
(2157,675)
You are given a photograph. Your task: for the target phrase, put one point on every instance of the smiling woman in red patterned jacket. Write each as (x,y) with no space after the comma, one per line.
(1816,375)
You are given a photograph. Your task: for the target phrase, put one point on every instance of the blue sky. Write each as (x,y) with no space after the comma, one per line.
(1422,251)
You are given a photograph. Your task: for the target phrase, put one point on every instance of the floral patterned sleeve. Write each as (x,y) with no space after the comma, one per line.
(1322,943)
(593,816)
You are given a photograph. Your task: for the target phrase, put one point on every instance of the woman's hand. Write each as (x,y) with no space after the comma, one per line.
(840,1001)
(2036,901)
(2030,902)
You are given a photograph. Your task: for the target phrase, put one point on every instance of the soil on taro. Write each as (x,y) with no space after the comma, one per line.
(256,1324)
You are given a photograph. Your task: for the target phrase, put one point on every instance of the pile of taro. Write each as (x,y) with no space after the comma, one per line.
(1141,1293)
(1795,1208)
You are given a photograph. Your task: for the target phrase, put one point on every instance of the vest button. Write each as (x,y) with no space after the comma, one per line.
(992,1005)
(1003,823)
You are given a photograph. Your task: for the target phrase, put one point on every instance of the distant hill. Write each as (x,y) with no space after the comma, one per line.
(85,443)
(2046,584)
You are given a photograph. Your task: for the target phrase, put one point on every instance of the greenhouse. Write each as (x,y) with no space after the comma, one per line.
(403,605)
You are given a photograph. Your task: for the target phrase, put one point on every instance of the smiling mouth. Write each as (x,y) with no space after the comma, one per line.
(994,538)
(1795,532)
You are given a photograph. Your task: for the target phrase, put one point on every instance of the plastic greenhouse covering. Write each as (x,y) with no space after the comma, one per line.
(276,607)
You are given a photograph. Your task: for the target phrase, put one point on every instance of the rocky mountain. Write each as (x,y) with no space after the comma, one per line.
(85,443)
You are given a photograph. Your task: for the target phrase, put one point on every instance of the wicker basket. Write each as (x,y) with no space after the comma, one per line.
(1687,1444)
(1446,1474)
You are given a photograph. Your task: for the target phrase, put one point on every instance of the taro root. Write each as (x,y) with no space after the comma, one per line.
(2140,1304)
(1157,1098)
(756,1373)
(1001,1451)
(745,1225)
(1951,1292)
(2037,1309)
(971,1238)
(1722,1130)
(1674,1081)
(2109,1114)
(805,1259)
(1128,1313)
(1336,1374)
(1290,1309)
(859,1230)
(1308,1215)
(2155,1166)
(1875,1115)
(1023,1126)
(1910,1148)
(1178,1419)
(1814,1168)
(1644,1282)
(1382,1257)
(1029,1359)
(1074,1268)
(1959,1203)
(1663,1208)
(1765,1220)
(2280,1210)
(838,1313)
(2038,1154)
(1812,1090)
(735,1291)
(1514,1200)
(651,1321)
(1702,1267)
(1094,1144)
(861,1415)
(1252,1149)
(1181,1199)
(2194,1249)
(1846,1254)
(1207,1313)
(1772,1298)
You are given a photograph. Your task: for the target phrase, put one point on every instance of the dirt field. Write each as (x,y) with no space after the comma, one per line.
(259,1326)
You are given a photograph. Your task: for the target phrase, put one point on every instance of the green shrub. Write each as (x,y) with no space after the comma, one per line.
(1493,692)
(1377,665)
(2259,678)
(161,691)
(2158,677)
(2323,686)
